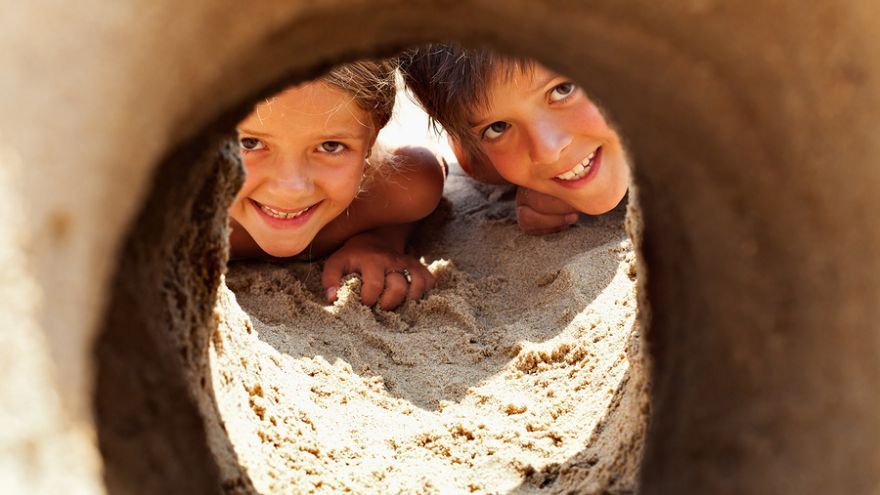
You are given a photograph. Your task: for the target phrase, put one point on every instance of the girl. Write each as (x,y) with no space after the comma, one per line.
(318,183)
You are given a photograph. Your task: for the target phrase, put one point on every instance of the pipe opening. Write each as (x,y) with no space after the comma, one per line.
(521,370)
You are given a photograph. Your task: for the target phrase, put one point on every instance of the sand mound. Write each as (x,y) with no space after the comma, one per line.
(521,370)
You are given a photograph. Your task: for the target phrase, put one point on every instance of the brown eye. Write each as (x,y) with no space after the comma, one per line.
(495,130)
(250,144)
(562,91)
(332,147)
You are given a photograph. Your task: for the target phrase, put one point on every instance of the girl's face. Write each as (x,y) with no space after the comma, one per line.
(304,152)
(540,131)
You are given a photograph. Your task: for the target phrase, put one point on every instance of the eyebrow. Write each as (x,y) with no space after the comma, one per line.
(249,132)
(341,136)
(546,81)
(330,137)
(479,123)
(534,89)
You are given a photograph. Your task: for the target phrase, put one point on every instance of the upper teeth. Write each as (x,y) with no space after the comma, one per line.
(579,170)
(282,215)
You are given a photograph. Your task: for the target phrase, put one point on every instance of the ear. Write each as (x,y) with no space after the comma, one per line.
(371,145)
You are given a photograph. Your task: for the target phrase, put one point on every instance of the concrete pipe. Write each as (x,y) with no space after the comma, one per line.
(752,130)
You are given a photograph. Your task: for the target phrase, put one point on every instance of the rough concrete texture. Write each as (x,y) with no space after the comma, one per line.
(753,131)
(154,343)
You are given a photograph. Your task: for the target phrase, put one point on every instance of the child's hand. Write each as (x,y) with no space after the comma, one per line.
(383,272)
(538,213)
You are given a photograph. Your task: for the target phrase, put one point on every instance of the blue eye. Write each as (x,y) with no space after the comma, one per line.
(495,130)
(250,144)
(562,91)
(332,147)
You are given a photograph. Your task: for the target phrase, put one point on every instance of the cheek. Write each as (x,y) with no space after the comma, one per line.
(342,184)
(251,180)
(591,121)
(510,163)
(240,203)
(620,167)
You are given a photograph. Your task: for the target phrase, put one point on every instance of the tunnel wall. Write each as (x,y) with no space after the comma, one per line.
(153,347)
(752,128)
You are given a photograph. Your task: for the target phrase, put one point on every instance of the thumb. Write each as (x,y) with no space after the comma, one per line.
(536,223)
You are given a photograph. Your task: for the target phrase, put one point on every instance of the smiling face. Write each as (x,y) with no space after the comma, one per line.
(540,131)
(304,153)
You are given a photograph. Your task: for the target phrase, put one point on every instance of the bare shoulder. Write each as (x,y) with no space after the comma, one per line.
(409,187)
(418,162)
(401,191)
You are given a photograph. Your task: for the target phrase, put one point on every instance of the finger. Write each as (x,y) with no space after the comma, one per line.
(535,223)
(334,269)
(395,291)
(542,203)
(425,275)
(417,286)
(430,279)
(372,284)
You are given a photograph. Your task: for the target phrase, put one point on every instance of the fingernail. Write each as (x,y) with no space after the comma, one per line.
(571,218)
(331,294)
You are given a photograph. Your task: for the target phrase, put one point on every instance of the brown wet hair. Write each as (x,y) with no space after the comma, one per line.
(452,83)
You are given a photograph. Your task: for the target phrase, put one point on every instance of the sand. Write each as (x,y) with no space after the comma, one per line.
(521,372)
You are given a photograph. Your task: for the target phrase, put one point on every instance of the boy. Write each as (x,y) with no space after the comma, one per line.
(512,120)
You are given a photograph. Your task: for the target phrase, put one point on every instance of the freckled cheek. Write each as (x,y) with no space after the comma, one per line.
(590,122)
(341,185)
(250,185)
(514,165)
(500,163)
(345,192)
(620,168)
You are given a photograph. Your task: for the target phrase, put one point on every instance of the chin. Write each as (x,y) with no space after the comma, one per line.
(607,202)
(282,251)
(604,205)
(596,209)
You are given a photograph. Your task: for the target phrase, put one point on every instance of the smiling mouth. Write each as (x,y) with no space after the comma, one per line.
(283,215)
(581,169)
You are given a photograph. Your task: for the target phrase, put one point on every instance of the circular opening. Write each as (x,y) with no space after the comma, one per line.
(521,370)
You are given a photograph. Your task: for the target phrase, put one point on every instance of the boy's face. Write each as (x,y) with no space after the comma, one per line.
(540,131)
(304,152)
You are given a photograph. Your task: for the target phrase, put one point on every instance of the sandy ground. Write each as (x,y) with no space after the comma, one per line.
(520,372)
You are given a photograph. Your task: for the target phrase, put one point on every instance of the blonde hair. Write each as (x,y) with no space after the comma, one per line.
(372,85)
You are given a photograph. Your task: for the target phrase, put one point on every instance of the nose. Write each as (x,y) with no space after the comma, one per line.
(291,175)
(548,141)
